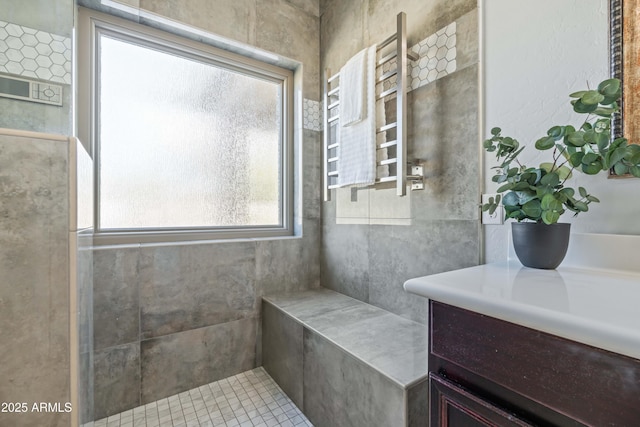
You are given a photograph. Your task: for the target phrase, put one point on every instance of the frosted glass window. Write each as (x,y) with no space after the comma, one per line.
(186,141)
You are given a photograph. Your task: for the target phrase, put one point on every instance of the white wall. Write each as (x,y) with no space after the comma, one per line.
(535,54)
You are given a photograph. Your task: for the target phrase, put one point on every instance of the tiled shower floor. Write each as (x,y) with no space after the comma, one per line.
(251,398)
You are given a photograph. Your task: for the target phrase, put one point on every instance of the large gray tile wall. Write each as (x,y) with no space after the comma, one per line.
(34,267)
(85,325)
(371,262)
(45,266)
(169,318)
(283,352)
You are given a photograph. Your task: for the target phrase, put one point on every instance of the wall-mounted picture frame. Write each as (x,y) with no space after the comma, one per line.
(625,65)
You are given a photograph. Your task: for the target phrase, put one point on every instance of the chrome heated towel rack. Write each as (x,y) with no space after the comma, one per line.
(392,79)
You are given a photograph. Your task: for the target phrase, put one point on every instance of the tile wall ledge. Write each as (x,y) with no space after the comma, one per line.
(33,135)
(241,240)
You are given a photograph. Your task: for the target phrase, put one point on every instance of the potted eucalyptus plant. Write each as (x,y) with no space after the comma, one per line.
(536,197)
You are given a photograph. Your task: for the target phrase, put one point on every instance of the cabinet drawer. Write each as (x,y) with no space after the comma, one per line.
(592,386)
(452,406)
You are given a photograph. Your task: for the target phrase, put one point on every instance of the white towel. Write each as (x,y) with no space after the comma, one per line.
(352,90)
(357,149)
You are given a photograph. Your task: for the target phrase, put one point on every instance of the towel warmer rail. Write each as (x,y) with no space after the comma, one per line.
(398,90)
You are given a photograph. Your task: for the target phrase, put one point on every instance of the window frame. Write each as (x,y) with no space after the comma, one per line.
(91,26)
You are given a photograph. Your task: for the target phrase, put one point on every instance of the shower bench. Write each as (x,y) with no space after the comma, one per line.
(344,362)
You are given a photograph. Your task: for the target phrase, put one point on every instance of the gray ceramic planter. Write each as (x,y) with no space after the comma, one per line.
(540,245)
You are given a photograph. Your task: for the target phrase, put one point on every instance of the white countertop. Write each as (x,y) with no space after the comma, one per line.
(597,307)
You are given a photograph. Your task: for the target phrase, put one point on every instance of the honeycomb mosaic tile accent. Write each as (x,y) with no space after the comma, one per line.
(437,57)
(312,119)
(35,54)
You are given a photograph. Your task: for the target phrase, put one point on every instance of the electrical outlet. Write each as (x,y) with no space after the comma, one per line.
(498,215)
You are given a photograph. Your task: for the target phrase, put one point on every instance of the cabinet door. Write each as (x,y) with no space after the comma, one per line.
(452,406)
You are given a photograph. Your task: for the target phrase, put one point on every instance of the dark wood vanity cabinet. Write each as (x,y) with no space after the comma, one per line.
(489,372)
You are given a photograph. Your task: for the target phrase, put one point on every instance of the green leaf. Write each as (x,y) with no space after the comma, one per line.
(581,206)
(488,145)
(564,150)
(615,156)
(569,129)
(508,186)
(556,132)
(602,125)
(523,185)
(546,166)
(532,209)
(496,131)
(563,172)
(501,178)
(590,136)
(619,142)
(576,139)
(578,94)
(508,142)
(592,97)
(602,139)
(551,209)
(550,217)
(610,87)
(518,215)
(543,190)
(547,201)
(576,159)
(570,206)
(591,164)
(582,191)
(525,196)
(532,177)
(591,169)
(510,208)
(581,107)
(610,102)
(620,169)
(593,199)
(561,197)
(604,111)
(545,143)
(551,179)
(635,171)
(510,199)
(568,191)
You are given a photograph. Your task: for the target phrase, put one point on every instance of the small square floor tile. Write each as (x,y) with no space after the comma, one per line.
(249,399)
